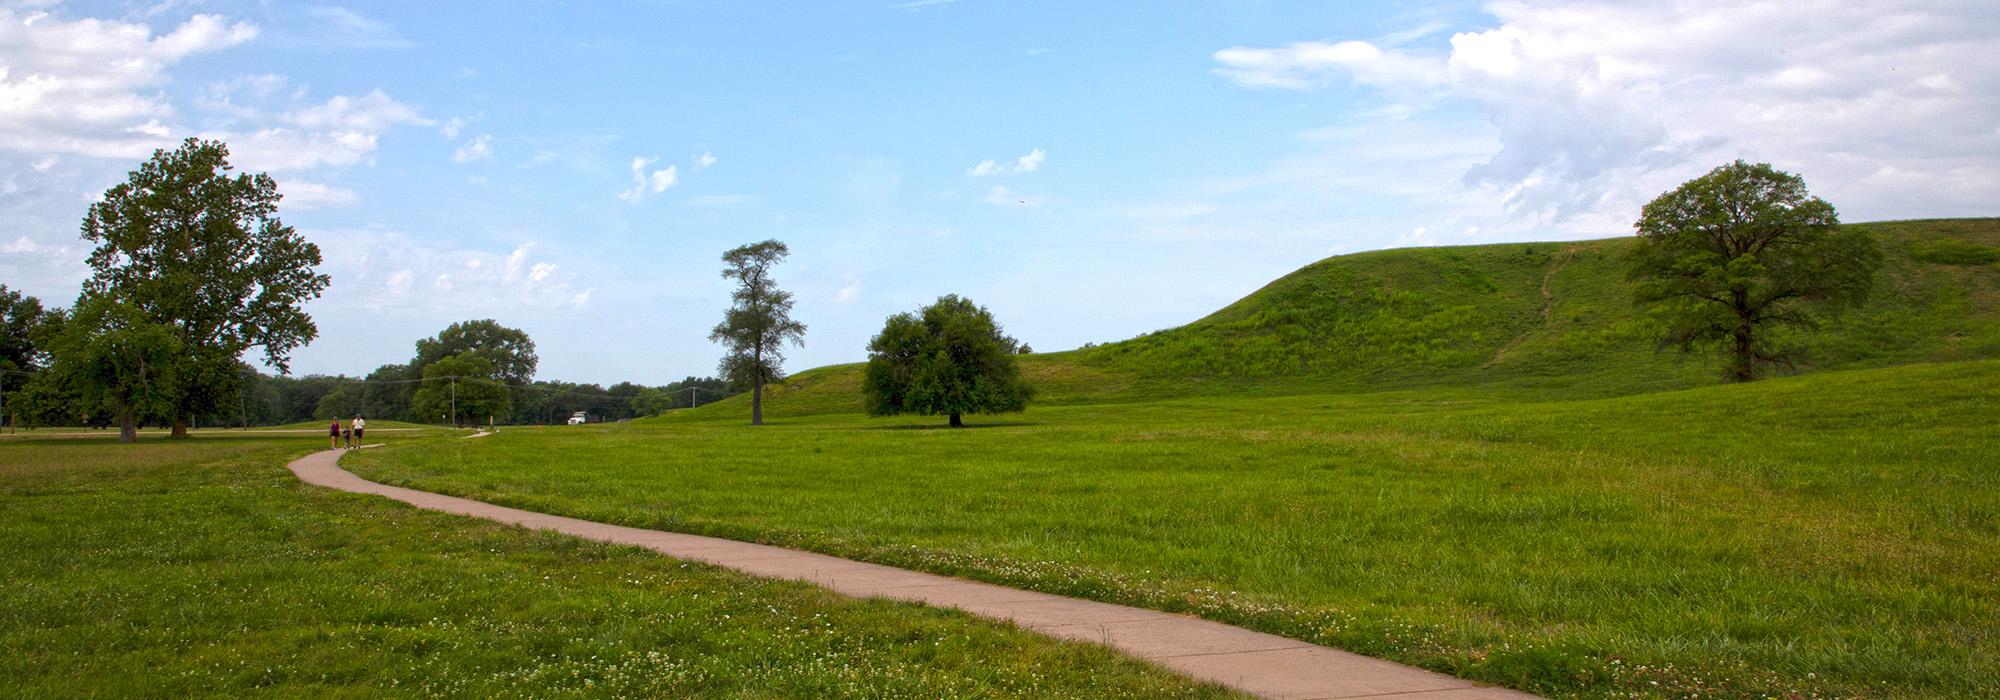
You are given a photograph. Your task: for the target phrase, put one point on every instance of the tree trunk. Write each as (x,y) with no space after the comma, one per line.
(956,422)
(180,427)
(1742,365)
(127,432)
(1743,360)
(757,403)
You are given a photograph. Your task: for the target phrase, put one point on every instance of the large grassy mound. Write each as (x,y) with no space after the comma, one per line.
(1555,319)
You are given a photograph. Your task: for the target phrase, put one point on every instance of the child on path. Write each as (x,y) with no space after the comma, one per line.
(333,431)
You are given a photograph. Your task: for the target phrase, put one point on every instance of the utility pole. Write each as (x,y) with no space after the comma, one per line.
(454,400)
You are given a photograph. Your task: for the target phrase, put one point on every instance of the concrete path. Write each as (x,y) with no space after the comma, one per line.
(1253,662)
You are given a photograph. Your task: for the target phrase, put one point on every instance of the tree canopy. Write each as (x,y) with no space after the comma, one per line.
(949,358)
(1729,257)
(758,323)
(116,359)
(203,253)
(510,350)
(475,395)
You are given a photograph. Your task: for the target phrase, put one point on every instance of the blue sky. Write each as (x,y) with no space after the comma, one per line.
(1089,171)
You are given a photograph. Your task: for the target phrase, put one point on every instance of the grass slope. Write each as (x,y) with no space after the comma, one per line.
(202,568)
(1835,534)
(1548,319)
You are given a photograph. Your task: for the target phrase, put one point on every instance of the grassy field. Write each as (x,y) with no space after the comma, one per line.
(202,568)
(1828,535)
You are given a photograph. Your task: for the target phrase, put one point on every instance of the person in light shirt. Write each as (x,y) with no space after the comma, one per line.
(359,425)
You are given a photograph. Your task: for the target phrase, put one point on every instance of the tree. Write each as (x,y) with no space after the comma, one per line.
(758,323)
(510,350)
(25,328)
(949,358)
(110,356)
(1728,257)
(475,392)
(205,255)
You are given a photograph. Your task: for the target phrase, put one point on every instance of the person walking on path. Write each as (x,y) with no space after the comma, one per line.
(333,432)
(359,425)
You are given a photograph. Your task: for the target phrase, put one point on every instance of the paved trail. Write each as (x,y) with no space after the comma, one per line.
(1253,662)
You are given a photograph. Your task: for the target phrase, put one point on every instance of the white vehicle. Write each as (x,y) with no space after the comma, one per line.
(579,418)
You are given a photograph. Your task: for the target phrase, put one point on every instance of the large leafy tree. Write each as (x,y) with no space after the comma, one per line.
(758,323)
(949,358)
(465,388)
(1729,257)
(203,253)
(114,358)
(24,330)
(509,349)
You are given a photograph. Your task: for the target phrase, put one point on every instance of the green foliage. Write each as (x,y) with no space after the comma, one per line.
(468,383)
(759,321)
(1729,257)
(510,350)
(950,358)
(112,357)
(206,255)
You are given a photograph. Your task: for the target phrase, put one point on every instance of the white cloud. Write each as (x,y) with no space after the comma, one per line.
(848,294)
(90,87)
(300,194)
(451,127)
(704,160)
(1885,109)
(646,182)
(46,163)
(479,148)
(344,130)
(374,112)
(1024,164)
(339,26)
(1306,65)
(379,270)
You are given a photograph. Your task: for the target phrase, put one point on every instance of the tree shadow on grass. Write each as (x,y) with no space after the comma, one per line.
(947,426)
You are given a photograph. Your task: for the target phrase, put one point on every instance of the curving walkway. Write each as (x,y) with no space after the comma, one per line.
(1252,662)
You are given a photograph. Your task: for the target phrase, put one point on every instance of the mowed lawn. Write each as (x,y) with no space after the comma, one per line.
(202,568)
(1836,534)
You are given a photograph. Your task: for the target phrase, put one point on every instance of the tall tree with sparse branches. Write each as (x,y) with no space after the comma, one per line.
(758,322)
(1729,257)
(203,252)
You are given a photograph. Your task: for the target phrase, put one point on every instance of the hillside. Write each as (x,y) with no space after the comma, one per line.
(1545,318)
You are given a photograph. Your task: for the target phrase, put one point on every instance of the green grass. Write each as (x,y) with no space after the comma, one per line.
(1546,320)
(1833,534)
(202,568)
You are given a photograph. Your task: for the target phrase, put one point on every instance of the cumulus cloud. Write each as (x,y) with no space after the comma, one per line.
(704,160)
(90,87)
(344,130)
(1885,109)
(1309,64)
(648,182)
(381,269)
(1024,164)
(479,148)
(848,294)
